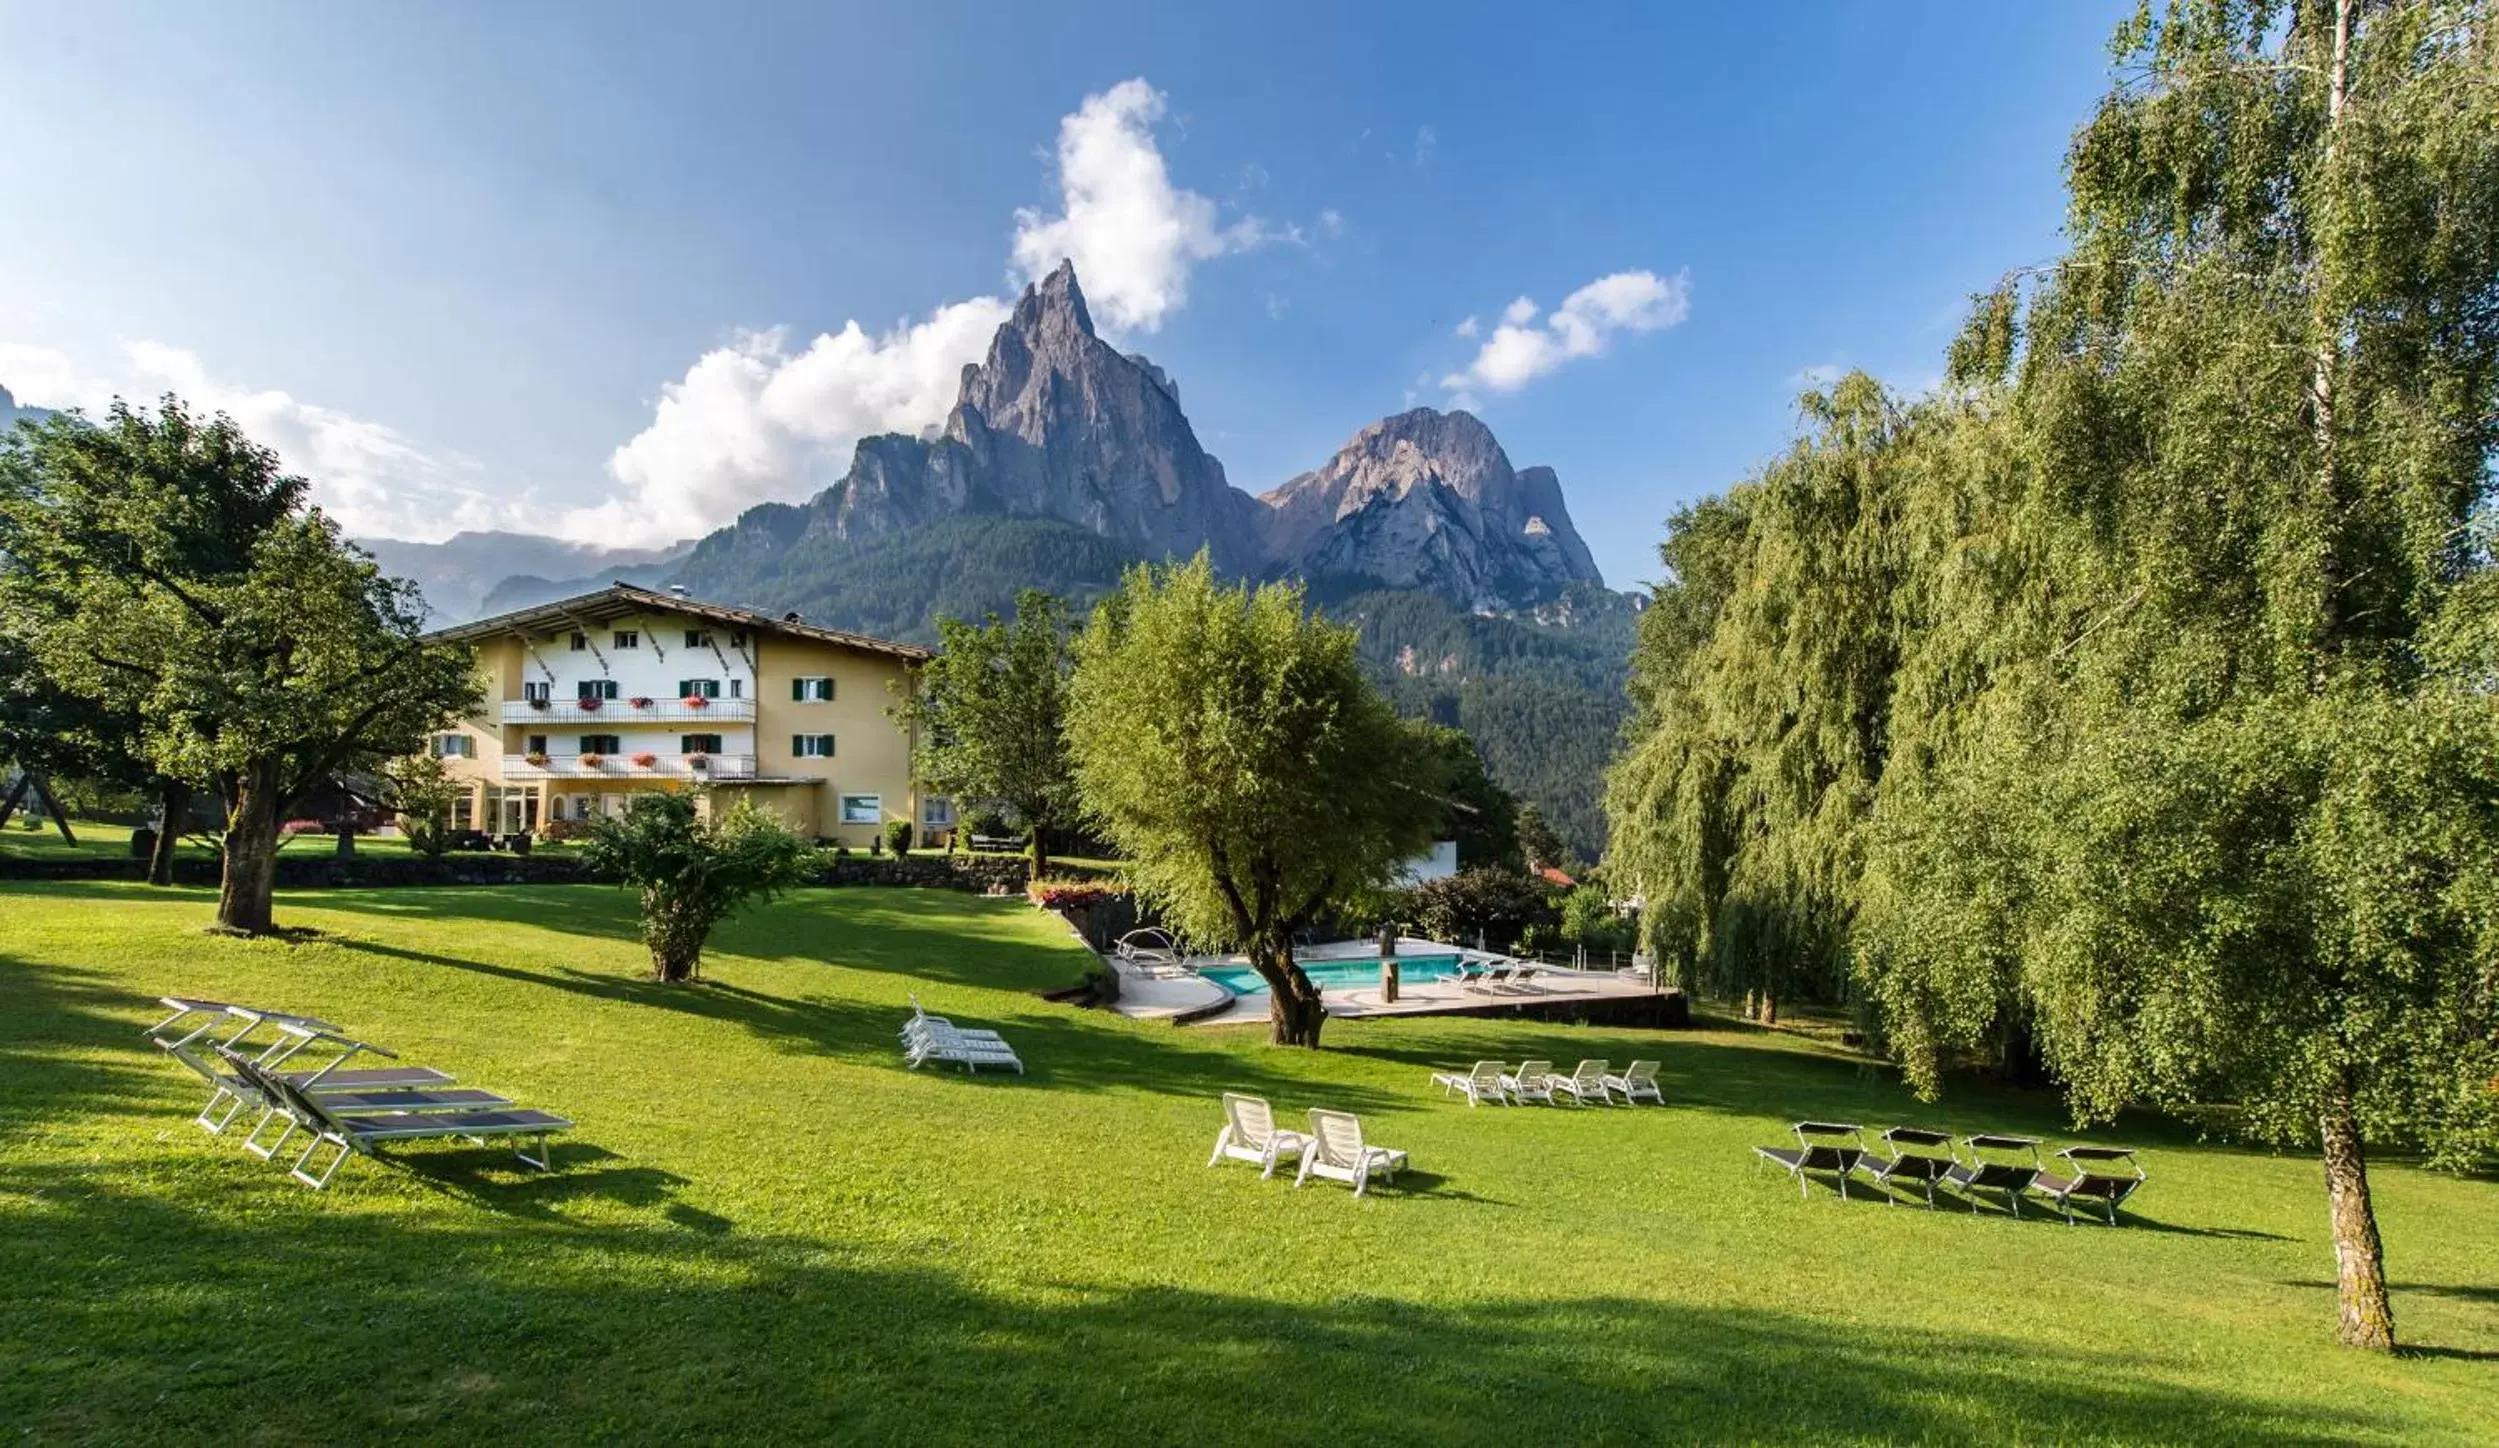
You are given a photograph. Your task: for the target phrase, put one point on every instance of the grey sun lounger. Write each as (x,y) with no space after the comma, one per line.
(2104,1174)
(1914,1155)
(1823,1148)
(365,1133)
(2003,1164)
(188,1035)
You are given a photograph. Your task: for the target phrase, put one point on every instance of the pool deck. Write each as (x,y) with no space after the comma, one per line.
(1204,1003)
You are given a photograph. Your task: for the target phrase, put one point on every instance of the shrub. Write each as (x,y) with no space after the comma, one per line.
(985,820)
(898,837)
(1499,904)
(694,872)
(1062,892)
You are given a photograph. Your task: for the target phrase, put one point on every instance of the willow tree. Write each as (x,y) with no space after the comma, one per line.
(1226,741)
(2224,818)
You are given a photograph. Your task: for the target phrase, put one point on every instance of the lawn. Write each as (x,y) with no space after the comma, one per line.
(104,840)
(766,1229)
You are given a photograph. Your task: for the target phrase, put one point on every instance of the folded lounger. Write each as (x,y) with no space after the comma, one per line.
(365,1134)
(928,1038)
(1532,1081)
(187,1036)
(2105,1174)
(1482,1084)
(1827,1148)
(2004,1164)
(1250,1134)
(1588,1081)
(1639,1080)
(1910,1154)
(1337,1151)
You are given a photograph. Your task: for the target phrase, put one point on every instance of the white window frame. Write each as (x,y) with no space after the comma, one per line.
(698,688)
(812,689)
(937,812)
(698,638)
(625,638)
(811,746)
(863,809)
(537,691)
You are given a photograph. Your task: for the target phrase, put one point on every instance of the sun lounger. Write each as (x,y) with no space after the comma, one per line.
(1587,1081)
(1637,1081)
(2105,1174)
(188,1035)
(1519,978)
(1250,1134)
(365,1133)
(1824,1148)
(1910,1154)
(1532,1081)
(2004,1164)
(1338,1152)
(1490,981)
(1480,1085)
(927,1038)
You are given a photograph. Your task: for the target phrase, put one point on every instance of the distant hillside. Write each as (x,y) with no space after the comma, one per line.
(12,412)
(458,574)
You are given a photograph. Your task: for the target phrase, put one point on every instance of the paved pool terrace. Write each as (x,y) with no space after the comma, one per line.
(1347,974)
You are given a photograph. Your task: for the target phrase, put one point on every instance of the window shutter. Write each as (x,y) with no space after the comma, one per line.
(798,691)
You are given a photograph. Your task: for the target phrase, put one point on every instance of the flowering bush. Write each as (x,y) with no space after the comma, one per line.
(695,701)
(554,830)
(639,702)
(593,761)
(292,828)
(590,706)
(645,760)
(1059,892)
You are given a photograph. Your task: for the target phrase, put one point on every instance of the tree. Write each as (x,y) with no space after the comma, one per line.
(694,872)
(1477,814)
(989,713)
(419,792)
(1497,904)
(1538,845)
(1227,742)
(169,568)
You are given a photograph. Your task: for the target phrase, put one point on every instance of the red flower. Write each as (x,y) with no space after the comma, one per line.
(695,701)
(639,703)
(589,706)
(645,760)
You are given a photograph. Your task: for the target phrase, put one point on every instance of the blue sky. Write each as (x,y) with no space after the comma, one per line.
(522,266)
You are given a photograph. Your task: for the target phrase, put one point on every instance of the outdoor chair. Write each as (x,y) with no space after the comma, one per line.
(365,1135)
(1250,1134)
(2003,1164)
(1912,1154)
(1338,1152)
(192,1043)
(1489,981)
(1482,1084)
(2105,1174)
(1519,978)
(1639,1080)
(1587,1081)
(1532,1081)
(928,1038)
(1826,1148)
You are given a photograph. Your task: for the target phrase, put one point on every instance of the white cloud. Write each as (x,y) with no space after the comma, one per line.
(1521,350)
(1331,224)
(1426,145)
(1467,328)
(1821,376)
(1133,235)
(753,421)
(374,479)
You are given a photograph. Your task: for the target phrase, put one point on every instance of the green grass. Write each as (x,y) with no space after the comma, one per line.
(766,1229)
(104,840)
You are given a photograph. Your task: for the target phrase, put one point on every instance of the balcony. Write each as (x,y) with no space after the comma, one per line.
(622,711)
(620,767)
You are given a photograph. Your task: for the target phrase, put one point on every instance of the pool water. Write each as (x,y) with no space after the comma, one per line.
(1338,974)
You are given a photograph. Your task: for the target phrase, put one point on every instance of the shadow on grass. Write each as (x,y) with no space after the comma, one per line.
(54,1022)
(664,1329)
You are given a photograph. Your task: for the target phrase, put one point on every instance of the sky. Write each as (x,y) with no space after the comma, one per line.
(616,272)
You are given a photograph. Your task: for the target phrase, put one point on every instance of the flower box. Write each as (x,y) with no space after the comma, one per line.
(645,760)
(698,761)
(695,701)
(535,703)
(593,761)
(535,760)
(639,703)
(590,706)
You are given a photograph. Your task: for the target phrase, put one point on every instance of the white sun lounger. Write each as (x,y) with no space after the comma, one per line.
(364,1134)
(927,1038)
(1482,1084)
(1639,1080)
(1519,978)
(1588,1081)
(1532,1081)
(1338,1152)
(1250,1134)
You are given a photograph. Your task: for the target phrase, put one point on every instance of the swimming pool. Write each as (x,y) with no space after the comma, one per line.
(1330,975)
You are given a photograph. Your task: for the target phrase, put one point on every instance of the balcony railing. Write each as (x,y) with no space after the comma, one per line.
(622,711)
(622,767)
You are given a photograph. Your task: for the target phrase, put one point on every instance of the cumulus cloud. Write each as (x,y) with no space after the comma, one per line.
(1522,349)
(1467,328)
(1133,235)
(754,421)
(374,479)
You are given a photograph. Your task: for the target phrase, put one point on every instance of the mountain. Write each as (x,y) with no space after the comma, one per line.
(457,574)
(11,413)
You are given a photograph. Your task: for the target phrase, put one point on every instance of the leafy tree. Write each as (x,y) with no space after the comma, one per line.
(419,793)
(167,567)
(1499,905)
(989,714)
(1228,744)
(1538,844)
(694,872)
(1476,813)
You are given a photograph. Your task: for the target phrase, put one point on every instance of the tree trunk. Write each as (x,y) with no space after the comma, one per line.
(1040,852)
(1295,1009)
(251,865)
(346,841)
(676,943)
(1769,1009)
(176,801)
(2367,1317)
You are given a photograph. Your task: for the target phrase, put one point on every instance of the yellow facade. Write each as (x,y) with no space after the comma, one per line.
(592,700)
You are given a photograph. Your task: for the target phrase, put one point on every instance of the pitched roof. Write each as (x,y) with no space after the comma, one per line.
(620,600)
